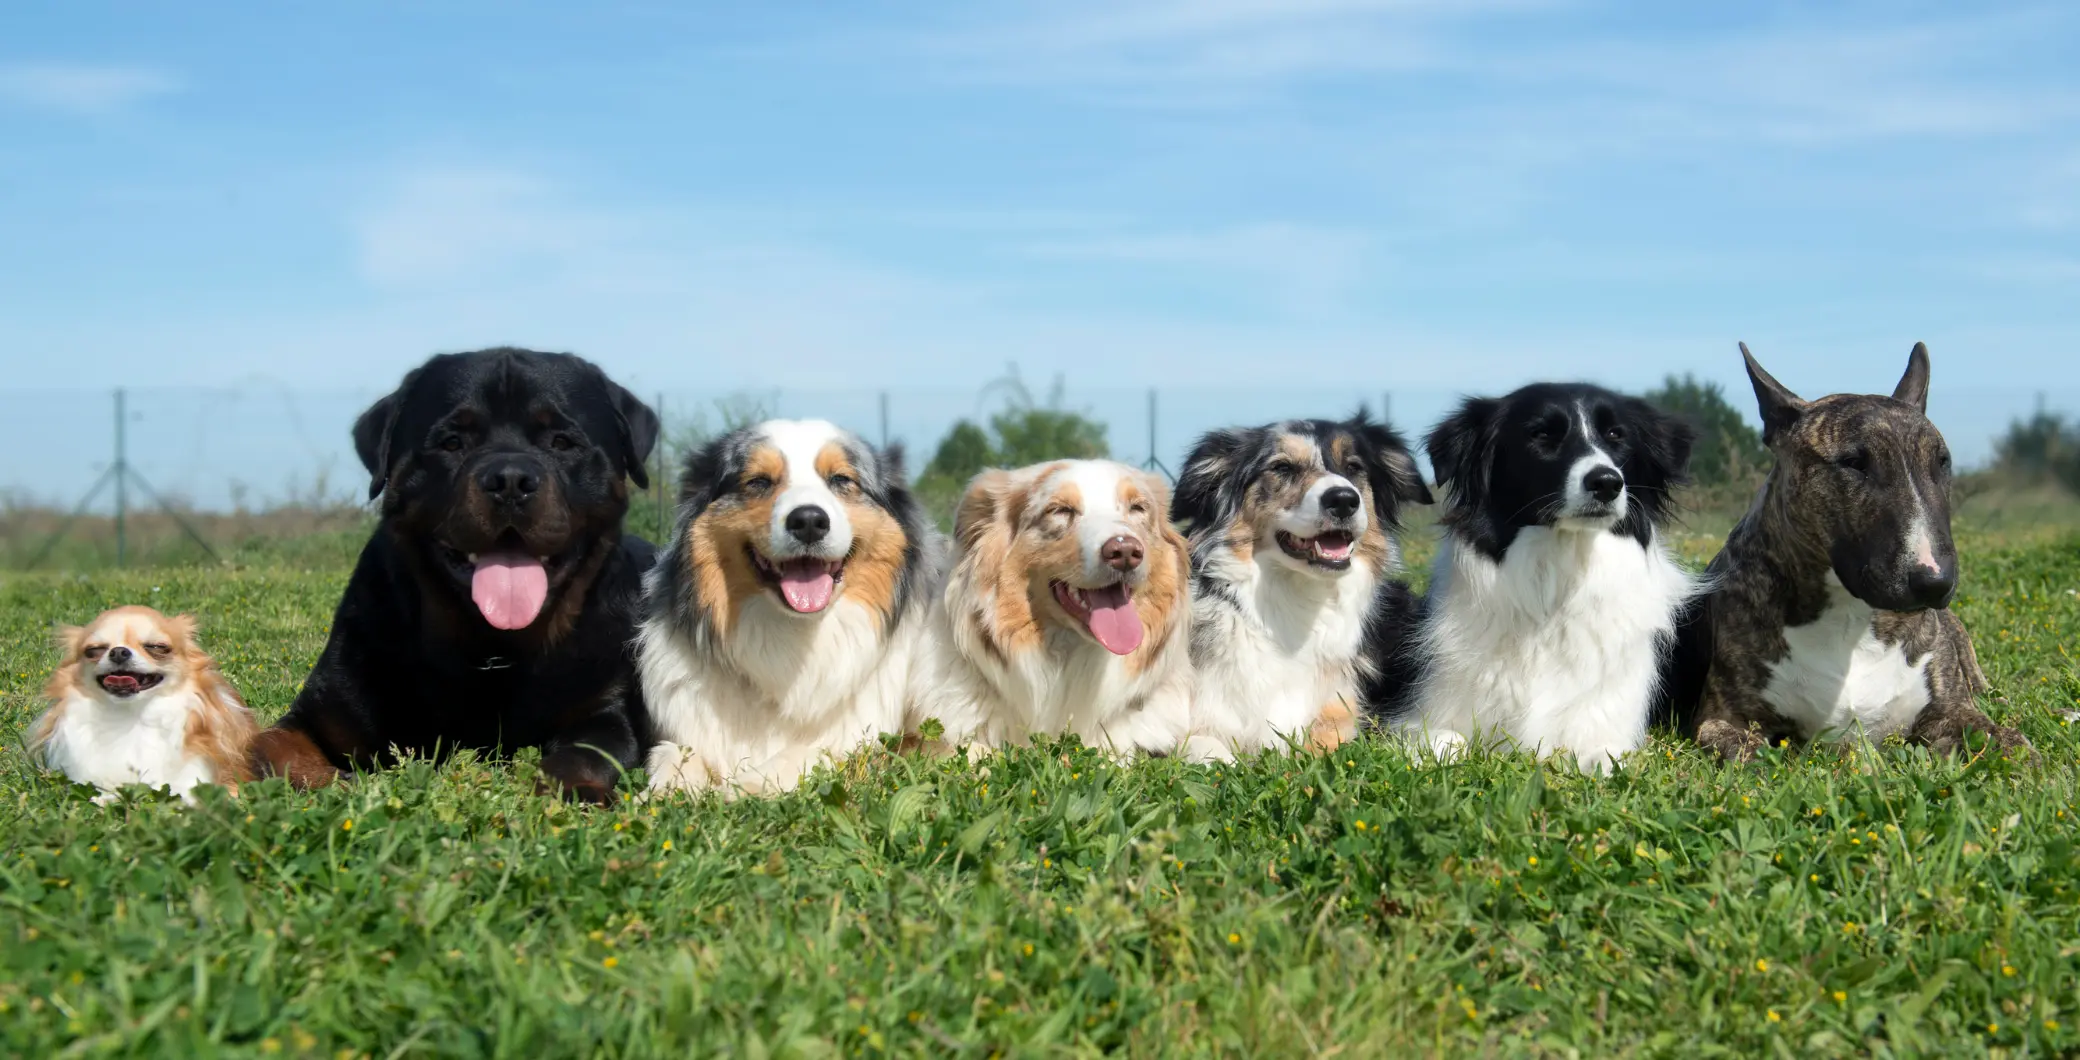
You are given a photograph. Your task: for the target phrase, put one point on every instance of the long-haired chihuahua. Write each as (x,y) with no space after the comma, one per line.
(136,701)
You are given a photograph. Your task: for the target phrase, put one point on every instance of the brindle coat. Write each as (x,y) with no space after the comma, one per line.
(1858,504)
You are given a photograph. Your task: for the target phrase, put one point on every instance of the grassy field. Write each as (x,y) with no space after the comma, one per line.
(1827,902)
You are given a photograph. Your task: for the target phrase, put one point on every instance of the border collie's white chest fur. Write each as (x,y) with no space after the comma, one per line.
(753,711)
(109,745)
(1836,677)
(1288,646)
(1555,648)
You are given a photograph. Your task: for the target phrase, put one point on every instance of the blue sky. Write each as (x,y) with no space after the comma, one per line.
(1437,196)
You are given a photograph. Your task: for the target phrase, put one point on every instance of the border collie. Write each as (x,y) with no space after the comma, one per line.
(1554,597)
(1067,611)
(784,614)
(136,701)
(1292,534)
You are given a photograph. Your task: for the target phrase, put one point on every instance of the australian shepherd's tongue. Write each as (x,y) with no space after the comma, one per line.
(807,584)
(1110,616)
(509,588)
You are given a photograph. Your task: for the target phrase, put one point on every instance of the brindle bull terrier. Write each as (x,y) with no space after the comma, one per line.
(1829,614)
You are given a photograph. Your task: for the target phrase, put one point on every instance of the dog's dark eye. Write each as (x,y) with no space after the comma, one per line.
(95,651)
(1354,465)
(452,443)
(561,442)
(1060,511)
(1614,433)
(757,484)
(159,651)
(839,482)
(1281,467)
(1856,460)
(1548,433)
(1138,508)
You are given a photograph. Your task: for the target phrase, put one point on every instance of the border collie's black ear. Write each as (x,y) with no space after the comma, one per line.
(1669,441)
(1210,488)
(1390,468)
(1913,386)
(638,426)
(1459,447)
(375,434)
(1780,407)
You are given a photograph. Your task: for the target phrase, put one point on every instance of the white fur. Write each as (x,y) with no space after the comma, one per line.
(753,711)
(110,742)
(1556,648)
(1839,679)
(1070,683)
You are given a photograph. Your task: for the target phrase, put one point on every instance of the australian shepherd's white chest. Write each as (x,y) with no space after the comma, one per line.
(1066,612)
(137,702)
(1555,598)
(1292,540)
(783,617)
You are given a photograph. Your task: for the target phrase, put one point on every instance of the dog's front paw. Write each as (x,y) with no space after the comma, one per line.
(108,798)
(1733,742)
(1203,748)
(1445,745)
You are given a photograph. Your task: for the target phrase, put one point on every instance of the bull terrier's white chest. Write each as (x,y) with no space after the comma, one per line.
(1836,676)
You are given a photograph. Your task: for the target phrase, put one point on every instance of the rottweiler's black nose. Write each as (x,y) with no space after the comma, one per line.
(808,524)
(118,654)
(1931,586)
(1604,483)
(1340,502)
(511,481)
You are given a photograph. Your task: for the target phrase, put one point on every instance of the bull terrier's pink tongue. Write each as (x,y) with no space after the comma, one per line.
(1113,619)
(807,584)
(509,589)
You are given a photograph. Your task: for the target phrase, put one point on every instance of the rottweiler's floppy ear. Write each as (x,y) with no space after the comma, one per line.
(372,441)
(982,506)
(1459,445)
(1390,469)
(1780,407)
(1913,386)
(1209,488)
(638,426)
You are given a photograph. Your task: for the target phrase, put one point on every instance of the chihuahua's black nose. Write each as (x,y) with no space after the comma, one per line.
(808,524)
(118,654)
(1340,502)
(511,481)
(1931,587)
(1604,483)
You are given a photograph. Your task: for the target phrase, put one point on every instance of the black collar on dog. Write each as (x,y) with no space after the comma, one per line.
(497,662)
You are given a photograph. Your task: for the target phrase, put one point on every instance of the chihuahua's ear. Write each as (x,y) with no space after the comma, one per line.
(71,640)
(183,630)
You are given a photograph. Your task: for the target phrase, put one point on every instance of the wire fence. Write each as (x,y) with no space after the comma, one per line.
(258,448)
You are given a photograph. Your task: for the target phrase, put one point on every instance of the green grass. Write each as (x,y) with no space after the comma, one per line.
(1823,903)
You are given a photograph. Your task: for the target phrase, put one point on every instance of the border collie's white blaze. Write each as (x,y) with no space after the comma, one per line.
(783,617)
(1555,597)
(1292,537)
(1067,611)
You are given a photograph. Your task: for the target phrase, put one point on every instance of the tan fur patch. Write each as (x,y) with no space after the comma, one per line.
(986,527)
(280,752)
(716,558)
(878,541)
(1169,567)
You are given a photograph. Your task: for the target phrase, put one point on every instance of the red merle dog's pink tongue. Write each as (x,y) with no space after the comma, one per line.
(806,584)
(1113,620)
(509,589)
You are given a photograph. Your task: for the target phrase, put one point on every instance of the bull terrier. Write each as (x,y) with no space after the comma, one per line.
(1829,615)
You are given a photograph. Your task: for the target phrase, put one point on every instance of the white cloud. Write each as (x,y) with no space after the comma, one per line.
(81,88)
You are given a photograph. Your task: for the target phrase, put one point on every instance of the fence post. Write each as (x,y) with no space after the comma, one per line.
(884,421)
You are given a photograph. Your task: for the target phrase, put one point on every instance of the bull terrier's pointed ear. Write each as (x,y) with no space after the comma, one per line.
(1913,386)
(1780,407)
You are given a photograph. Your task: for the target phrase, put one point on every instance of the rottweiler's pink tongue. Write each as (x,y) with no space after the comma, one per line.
(1113,619)
(509,588)
(807,584)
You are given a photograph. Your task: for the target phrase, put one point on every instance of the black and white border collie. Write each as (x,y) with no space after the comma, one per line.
(1292,535)
(783,617)
(1554,597)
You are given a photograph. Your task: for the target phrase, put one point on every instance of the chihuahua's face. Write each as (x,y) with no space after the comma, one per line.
(133,651)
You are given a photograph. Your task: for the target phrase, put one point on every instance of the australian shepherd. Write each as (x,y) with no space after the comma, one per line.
(1292,541)
(137,702)
(782,618)
(1067,611)
(1554,597)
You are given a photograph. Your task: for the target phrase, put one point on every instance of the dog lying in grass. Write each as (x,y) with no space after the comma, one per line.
(1829,615)
(138,702)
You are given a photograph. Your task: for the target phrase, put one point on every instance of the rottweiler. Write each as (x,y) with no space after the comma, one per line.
(495,605)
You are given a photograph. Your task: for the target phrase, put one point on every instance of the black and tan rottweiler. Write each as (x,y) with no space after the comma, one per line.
(495,605)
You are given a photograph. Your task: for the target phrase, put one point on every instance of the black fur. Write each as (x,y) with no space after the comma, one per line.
(411,664)
(1504,461)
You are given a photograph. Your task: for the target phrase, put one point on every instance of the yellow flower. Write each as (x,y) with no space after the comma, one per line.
(610,962)
(347,825)
(1993,1028)
(1840,998)
(1849,928)
(1761,965)
(270,1045)
(668,844)
(1814,877)
(1235,939)
(1360,826)
(2050,1025)
(1773,1017)
(1532,861)
(2007,969)
(1029,949)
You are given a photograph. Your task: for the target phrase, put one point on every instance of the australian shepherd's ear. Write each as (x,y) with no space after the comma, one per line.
(1215,476)
(992,501)
(1390,469)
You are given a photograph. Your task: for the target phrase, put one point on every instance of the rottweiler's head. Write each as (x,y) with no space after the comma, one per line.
(504,475)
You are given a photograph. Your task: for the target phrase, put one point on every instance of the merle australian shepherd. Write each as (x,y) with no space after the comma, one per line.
(1292,538)
(783,616)
(1555,597)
